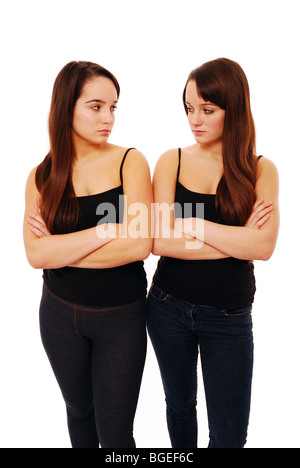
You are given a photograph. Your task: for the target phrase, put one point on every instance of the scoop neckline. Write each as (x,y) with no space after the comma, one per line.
(197,193)
(101,193)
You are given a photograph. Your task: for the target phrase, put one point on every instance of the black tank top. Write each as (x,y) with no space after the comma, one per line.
(226,283)
(99,287)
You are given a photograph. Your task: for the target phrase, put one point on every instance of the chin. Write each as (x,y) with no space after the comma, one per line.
(99,140)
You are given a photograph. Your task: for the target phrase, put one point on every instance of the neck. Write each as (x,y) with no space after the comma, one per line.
(212,152)
(85,151)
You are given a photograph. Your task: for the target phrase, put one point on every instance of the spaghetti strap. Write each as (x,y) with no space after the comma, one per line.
(259,157)
(121,168)
(179,164)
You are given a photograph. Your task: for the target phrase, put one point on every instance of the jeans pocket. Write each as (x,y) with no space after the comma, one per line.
(156,293)
(238,313)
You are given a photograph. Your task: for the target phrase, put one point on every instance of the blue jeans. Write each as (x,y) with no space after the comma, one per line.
(98,358)
(178,331)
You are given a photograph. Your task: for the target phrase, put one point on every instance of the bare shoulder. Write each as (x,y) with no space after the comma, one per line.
(136,156)
(135,162)
(267,184)
(267,170)
(167,163)
(136,174)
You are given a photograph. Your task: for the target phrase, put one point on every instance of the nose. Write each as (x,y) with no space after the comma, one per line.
(196,118)
(107,116)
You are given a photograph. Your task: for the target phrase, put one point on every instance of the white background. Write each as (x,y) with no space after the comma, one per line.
(151,47)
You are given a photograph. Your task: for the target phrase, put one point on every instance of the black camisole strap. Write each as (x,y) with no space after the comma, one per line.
(179,164)
(259,157)
(121,168)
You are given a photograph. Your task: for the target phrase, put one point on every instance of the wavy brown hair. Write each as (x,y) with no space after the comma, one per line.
(224,83)
(58,204)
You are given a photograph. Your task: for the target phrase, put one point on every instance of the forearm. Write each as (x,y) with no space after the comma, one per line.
(117,253)
(58,251)
(243,243)
(185,248)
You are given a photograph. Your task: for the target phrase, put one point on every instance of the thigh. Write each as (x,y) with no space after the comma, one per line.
(118,359)
(69,354)
(226,345)
(176,348)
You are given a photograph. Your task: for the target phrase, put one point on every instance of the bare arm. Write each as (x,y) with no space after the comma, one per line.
(134,242)
(55,251)
(166,242)
(243,242)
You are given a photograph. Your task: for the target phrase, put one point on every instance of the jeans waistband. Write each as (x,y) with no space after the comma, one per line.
(88,308)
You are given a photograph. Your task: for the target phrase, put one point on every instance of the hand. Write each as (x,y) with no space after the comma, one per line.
(37,225)
(260,214)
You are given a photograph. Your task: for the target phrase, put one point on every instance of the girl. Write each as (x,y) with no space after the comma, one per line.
(204,286)
(92,312)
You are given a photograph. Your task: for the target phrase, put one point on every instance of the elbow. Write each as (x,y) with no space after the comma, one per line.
(34,262)
(35,259)
(157,248)
(266,255)
(266,252)
(36,256)
(145,249)
(264,247)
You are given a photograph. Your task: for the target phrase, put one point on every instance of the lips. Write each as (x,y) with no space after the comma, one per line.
(104,132)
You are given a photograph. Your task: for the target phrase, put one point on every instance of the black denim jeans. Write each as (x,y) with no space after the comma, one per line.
(178,331)
(98,358)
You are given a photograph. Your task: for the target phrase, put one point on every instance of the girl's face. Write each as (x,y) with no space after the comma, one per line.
(205,118)
(94,116)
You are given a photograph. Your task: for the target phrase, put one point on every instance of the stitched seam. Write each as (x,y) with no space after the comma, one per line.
(91,309)
(75,321)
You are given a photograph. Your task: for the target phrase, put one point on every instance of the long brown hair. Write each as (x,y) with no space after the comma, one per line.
(224,83)
(58,204)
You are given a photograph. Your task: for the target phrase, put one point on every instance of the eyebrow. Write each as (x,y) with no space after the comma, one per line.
(208,103)
(99,100)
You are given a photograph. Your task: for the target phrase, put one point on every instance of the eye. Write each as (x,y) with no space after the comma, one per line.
(208,111)
(113,108)
(95,108)
(189,110)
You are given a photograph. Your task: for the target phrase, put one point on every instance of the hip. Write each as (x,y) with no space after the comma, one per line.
(227,283)
(107,288)
(170,313)
(63,317)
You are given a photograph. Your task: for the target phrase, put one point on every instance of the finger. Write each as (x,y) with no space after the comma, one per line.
(257,203)
(45,231)
(263,206)
(259,212)
(37,231)
(38,225)
(34,221)
(262,221)
(252,220)
(37,217)
(263,213)
(256,206)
